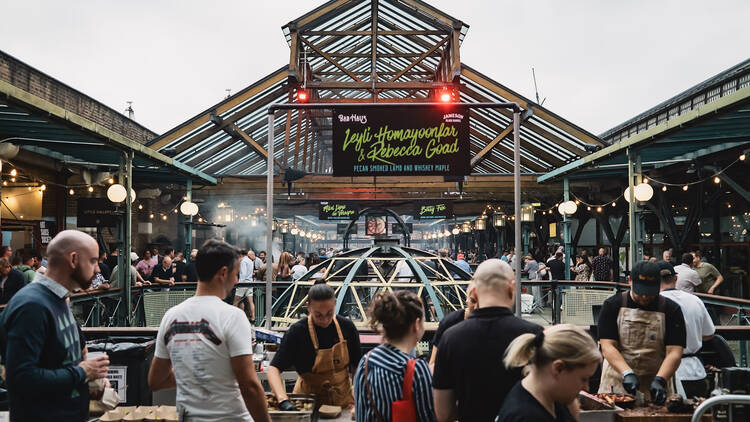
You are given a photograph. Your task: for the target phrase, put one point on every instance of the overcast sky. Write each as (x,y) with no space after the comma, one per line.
(598,63)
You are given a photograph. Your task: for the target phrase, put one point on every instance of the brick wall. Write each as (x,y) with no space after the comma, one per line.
(41,85)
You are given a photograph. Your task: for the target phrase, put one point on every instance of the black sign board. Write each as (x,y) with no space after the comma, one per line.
(341,229)
(433,210)
(337,211)
(401,141)
(93,212)
(47,230)
(396,228)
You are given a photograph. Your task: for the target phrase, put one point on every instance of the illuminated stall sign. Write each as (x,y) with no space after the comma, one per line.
(401,141)
(337,211)
(433,210)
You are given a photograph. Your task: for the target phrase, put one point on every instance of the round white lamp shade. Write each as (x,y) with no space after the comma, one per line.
(117,193)
(642,192)
(567,207)
(189,208)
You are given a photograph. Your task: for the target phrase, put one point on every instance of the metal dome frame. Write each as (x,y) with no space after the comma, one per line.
(357,275)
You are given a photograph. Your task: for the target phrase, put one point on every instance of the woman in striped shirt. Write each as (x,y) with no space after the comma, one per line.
(400,318)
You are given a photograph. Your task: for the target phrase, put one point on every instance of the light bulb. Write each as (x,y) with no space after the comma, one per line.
(742,157)
(43,187)
(598,209)
(71,191)
(13,173)
(151,216)
(717,179)
(664,188)
(140,206)
(685,188)
(5,183)
(164,217)
(13,179)
(91,188)
(110,180)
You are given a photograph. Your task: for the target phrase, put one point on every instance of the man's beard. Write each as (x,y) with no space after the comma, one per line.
(79,278)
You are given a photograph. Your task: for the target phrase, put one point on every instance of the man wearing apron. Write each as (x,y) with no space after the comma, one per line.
(642,335)
(323,348)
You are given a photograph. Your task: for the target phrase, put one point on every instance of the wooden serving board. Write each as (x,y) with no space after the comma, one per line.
(653,414)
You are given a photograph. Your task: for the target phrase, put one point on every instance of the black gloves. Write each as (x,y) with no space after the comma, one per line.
(630,382)
(658,390)
(287,406)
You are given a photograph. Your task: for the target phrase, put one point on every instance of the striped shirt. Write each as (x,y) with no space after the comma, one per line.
(386,377)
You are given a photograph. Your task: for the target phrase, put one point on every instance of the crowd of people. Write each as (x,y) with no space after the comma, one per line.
(487,364)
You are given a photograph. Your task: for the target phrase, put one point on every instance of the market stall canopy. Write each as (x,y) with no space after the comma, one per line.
(395,51)
(709,118)
(42,115)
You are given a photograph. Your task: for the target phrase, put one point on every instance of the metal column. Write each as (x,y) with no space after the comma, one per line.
(631,210)
(566,229)
(189,222)
(517,204)
(124,261)
(269,222)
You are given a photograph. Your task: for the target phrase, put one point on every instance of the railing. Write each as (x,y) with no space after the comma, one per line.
(713,401)
(106,305)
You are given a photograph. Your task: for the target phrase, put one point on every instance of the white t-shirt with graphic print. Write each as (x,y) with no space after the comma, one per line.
(199,336)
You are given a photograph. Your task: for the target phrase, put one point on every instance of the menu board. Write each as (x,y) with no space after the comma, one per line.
(375,225)
(433,210)
(330,210)
(396,228)
(401,141)
(341,229)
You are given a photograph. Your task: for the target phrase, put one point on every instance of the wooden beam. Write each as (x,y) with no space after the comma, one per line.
(419,59)
(331,59)
(367,33)
(538,110)
(221,108)
(455,52)
(367,55)
(509,152)
(378,85)
(304,140)
(480,156)
(256,146)
(296,141)
(322,11)
(293,54)
(539,152)
(288,125)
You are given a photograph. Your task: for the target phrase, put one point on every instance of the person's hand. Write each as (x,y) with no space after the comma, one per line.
(710,290)
(630,382)
(104,286)
(658,390)
(138,284)
(171,281)
(287,406)
(146,283)
(95,368)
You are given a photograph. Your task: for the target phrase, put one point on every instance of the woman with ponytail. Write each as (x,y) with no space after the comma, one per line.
(390,383)
(557,364)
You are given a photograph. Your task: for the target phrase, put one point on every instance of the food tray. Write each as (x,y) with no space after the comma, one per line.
(300,415)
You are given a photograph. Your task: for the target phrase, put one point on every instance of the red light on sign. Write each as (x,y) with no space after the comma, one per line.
(445,97)
(302,96)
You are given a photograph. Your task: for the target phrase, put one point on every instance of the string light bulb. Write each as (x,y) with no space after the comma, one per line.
(71,191)
(91,188)
(140,206)
(717,180)
(614,204)
(13,172)
(151,216)
(598,209)
(43,187)
(645,180)
(742,157)
(685,188)
(13,179)
(664,188)
(5,183)
(164,217)
(110,180)
(588,208)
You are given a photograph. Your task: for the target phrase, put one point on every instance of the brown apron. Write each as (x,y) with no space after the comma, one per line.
(329,378)
(641,344)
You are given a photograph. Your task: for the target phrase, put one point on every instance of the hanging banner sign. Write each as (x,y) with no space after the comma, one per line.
(337,211)
(96,212)
(433,210)
(401,141)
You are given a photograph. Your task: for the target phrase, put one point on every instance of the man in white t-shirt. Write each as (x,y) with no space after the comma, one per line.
(698,328)
(243,296)
(687,278)
(204,347)
(299,269)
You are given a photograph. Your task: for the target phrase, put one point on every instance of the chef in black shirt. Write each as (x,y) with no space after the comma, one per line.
(469,370)
(324,350)
(642,335)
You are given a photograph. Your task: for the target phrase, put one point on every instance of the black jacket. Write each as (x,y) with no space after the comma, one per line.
(12,285)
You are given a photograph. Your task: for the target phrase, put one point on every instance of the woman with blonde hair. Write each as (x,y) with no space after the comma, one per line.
(557,364)
(283,270)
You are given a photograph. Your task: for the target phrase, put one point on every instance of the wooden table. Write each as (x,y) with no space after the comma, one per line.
(657,415)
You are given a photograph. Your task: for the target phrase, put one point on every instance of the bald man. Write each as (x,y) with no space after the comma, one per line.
(468,367)
(164,273)
(46,376)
